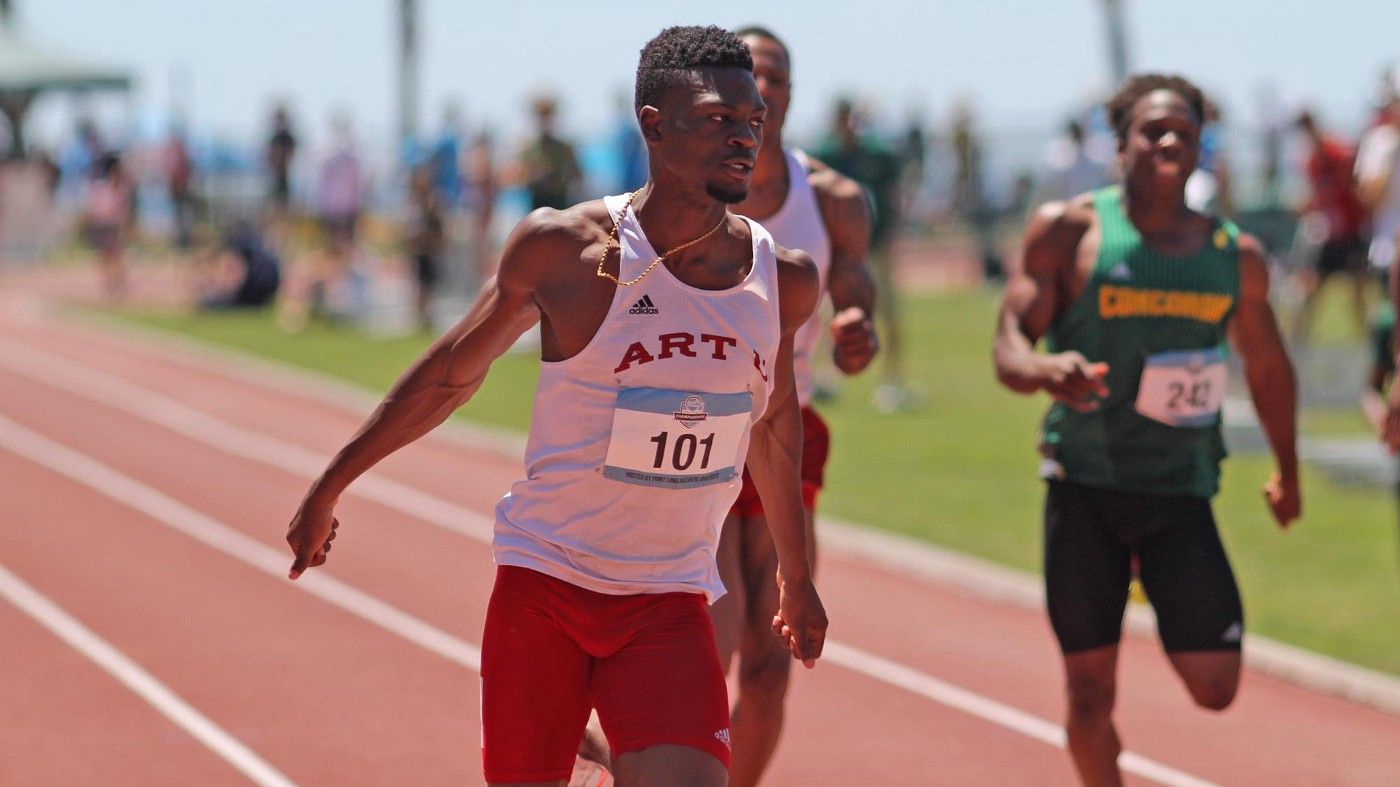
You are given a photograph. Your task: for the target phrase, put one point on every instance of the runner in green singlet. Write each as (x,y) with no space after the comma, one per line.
(1138,297)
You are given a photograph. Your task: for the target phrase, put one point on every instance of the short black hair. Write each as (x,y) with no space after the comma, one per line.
(1120,107)
(667,59)
(760,31)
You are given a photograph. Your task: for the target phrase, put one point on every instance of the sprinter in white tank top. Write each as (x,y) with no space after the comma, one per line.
(808,206)
(653,395)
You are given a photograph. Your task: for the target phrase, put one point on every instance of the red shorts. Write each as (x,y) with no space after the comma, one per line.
(553,650)
(816,445)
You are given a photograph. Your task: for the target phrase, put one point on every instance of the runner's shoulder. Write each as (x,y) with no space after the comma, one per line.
(1058,226)
(827,182)
(841,198)
(548,240)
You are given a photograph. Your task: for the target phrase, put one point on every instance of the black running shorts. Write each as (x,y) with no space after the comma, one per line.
(1091,535)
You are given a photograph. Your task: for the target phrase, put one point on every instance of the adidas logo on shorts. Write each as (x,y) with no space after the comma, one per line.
(644,306)
(1233,634)
(723,737)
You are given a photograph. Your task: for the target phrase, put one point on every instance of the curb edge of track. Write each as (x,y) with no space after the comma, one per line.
(922,560)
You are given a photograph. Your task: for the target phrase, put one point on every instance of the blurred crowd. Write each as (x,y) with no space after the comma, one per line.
(346,233)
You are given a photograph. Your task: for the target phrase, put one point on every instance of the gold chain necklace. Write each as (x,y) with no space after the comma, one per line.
(612,239)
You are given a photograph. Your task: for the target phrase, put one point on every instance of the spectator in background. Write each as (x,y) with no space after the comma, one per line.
(970,198)
(1383,91)
(913,156)
(340,187)
(281,150)
(179,180)
(1378,183)
(239,272)
(109,215)
(1273,126)
(1381,375)
(862,159)
(1378,179)
(425,237)
(482,189)
(1209,189)
(1334,214)
(446,160)
(1069,168)
(549,166)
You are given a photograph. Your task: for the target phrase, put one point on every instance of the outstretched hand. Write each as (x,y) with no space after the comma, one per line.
(801,620)
(310,535)
(1070,378)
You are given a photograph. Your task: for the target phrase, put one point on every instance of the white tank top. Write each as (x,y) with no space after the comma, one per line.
(798,225)
(637,443)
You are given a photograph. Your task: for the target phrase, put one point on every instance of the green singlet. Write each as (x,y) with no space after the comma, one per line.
(1159,322)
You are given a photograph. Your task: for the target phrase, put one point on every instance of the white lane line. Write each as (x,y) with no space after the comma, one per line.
(116,392)
(1000,714)
(219,536)
(149,405)
(944,567)
(139,681)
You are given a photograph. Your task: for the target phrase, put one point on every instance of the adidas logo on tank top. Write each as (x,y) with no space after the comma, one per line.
(644,306)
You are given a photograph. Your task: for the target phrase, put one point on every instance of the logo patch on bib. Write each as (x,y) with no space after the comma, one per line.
(692,412)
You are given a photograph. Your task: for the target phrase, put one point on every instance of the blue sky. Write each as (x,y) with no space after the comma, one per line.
(1023,63)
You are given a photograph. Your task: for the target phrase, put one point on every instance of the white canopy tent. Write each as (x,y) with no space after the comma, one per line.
(28,69)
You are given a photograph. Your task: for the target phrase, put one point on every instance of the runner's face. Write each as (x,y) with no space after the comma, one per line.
(773,75)
(709,131)
(1163,143)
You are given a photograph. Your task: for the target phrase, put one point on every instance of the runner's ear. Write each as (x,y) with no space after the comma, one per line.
(649,118)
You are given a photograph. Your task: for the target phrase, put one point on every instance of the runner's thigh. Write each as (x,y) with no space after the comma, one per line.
(1188,579)
(534,683)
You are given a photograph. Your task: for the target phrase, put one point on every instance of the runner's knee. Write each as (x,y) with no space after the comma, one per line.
(1215,693)
(1091,696)
(764,681)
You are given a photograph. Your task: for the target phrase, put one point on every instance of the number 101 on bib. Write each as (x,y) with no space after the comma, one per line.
(676,439)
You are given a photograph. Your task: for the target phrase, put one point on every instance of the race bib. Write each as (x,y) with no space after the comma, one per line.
(676,439)
(1183,389)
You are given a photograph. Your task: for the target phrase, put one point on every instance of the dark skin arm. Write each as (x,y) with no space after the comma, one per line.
(1269,374)
(441,380)
(849,281)
(1035,296)
(774,461)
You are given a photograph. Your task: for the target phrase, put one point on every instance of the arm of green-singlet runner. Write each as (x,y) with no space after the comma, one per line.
(1269,374)
(1036,294)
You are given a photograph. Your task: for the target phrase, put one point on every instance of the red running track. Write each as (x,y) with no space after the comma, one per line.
(146,489)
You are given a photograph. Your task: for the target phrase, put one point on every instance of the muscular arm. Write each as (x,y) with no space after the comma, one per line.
(441,380)
(849,280)
(774,460)
(1269,375)
(1031,303)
